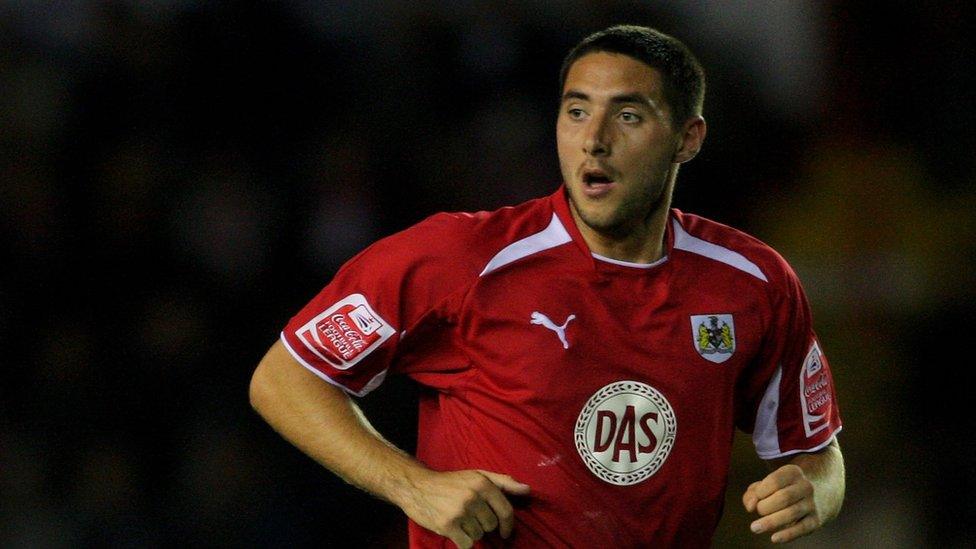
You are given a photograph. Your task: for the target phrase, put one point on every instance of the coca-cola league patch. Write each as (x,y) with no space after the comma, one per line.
(345,333)
(815,392)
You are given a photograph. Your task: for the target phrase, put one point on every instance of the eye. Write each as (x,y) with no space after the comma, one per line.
(630,117)
(576,113)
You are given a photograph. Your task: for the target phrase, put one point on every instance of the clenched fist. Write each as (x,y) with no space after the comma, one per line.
(463,505)
(786,504)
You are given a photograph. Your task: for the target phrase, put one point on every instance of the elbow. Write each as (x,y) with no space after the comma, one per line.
(260,390)
(267,379)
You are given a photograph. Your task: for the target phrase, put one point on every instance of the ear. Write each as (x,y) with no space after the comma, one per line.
(692,136)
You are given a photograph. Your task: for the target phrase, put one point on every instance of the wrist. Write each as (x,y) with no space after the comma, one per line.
(405,482)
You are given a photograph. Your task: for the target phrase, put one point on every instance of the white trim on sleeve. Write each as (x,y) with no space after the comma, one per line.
(820,446)
(372,384)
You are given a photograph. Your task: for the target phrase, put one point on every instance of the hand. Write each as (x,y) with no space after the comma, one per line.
(463,505)
(786,504)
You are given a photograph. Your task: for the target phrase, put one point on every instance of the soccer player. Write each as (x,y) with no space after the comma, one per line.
(586,355)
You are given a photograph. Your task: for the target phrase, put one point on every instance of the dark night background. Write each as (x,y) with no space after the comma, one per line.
(177,178)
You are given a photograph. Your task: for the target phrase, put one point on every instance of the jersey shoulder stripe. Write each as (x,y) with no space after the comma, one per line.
(553,235)
(685,241)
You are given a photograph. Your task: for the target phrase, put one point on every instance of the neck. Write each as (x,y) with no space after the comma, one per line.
(640,242)
(644,244)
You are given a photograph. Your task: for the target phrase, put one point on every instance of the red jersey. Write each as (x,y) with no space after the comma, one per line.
(612,389)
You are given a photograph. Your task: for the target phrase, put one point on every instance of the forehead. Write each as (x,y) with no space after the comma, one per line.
(612,73)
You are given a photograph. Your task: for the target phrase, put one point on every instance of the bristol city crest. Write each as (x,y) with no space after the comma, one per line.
(713,336)
(625,432)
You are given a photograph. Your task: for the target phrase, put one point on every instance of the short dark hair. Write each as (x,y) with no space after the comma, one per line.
(683,76)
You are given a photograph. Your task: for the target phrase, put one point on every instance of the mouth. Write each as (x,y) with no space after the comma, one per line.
(596,182)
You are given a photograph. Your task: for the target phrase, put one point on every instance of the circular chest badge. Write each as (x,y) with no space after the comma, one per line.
(625,432)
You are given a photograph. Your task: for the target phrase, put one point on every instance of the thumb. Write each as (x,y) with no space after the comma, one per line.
(507,484)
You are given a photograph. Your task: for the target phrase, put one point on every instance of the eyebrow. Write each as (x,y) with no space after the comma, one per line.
(622,98)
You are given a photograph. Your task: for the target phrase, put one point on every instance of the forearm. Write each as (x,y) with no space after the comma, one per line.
(323,422)
(825,470)
(801,494)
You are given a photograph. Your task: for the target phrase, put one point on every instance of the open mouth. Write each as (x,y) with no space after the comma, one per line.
(596,177)
(597,183)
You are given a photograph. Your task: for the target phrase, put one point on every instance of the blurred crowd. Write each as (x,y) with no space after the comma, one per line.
(178,177)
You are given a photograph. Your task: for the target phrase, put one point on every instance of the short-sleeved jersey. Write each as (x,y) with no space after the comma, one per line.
(612,389)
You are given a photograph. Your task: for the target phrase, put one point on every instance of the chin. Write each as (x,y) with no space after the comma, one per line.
(601,221)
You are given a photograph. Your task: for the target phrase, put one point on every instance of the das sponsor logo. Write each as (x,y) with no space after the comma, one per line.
(345,332)
(713,336)
(625,432)
(815,392)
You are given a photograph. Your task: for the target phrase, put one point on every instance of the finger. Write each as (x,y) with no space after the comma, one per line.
(778,479)
(506,483)
(783,498)
(749,498)
(485,516)
(460,538)
(472,528)
(805,526)
(780,519)
(502,510)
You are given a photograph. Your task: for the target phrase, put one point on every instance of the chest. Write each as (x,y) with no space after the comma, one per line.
(557,337)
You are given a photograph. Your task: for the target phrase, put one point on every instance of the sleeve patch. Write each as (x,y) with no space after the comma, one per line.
(345,333)
(815,392)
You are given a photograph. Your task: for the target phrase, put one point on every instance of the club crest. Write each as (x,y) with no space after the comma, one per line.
(713,336)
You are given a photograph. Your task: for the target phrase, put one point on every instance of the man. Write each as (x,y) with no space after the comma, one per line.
(585,356)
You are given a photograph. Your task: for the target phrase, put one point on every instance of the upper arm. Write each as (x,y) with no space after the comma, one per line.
(789,401)
(279,378)
(349,334)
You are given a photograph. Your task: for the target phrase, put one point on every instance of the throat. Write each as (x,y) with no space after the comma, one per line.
(643,243)
(637,247)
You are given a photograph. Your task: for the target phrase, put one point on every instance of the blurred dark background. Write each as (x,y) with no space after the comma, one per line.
(178,177)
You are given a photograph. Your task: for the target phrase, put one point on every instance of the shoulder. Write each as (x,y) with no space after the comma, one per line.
(461,244)
(732,247)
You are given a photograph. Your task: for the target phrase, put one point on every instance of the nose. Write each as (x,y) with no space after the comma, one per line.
(597,141)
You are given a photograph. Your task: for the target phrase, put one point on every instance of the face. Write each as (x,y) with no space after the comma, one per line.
(617,147)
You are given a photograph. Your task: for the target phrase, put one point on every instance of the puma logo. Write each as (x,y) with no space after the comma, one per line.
(543,320)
